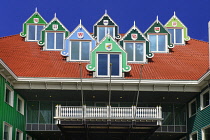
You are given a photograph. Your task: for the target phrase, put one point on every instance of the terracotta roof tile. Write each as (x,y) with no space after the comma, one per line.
(27,59)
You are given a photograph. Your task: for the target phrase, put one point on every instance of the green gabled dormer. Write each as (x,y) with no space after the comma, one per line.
(159,37)
(53,35)
(178,30)
(136,45)
(104,25)
(32,27)
(107,52)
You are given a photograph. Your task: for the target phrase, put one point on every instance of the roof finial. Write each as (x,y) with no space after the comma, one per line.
(55,15)
(174,13)
(105,12)
(36,9)
(157,19)
(80,23)
(134,24)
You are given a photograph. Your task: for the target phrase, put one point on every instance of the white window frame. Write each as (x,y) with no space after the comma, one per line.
(201,99)
(108,74)
(80,46)
(166,43)
(22,104)
(27,136)
(106,32)
(11,100)
(202,131)
(10,130)
(54,41)
(189,107)
(134,56)
(20,132)
(175,36)
(35,31)
(196,132)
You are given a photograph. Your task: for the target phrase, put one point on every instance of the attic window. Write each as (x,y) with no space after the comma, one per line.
(176,36)
(80,50)
(34,32)
(102,31)
(158,43)
(135,51)
(54,40)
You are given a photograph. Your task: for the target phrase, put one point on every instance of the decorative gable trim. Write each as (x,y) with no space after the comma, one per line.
(34,19)
(179,24)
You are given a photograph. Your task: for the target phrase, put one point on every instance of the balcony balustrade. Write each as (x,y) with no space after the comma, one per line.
(109,113)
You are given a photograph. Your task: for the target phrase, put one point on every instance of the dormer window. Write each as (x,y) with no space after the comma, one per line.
(158,42)
(55,40)
(176,36)
(80,50)
(34,32)
(135,51)
(102,31)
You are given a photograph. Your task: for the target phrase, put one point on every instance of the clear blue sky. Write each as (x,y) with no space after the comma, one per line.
(195,14)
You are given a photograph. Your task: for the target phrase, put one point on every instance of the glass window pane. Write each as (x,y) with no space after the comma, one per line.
(45,112)
(31,31)
(206,99)
(153,42)
(129,50)
(50,40)
(194,136)
(110,30)
(17,135)
(6,132)
(102,64)
(19,105)
(114,59)
(207,134)
(101,33)
(59,40)
(85,50)
(7,96)
(74,50)
(193,108)
(139,52)
(39,28)
(161,43)
(32,111)
(178,35)
(172,34)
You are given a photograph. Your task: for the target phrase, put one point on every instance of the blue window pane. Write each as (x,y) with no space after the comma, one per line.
(31,32)
(39,28)
(139,52)
(110,30)
(161,43)
(172,34)
(178,35)
(50,40)
(129,50)
(101,32)
(102,64)
(114,59)
(74,50)
(85,50)
(59,40)
(153,42)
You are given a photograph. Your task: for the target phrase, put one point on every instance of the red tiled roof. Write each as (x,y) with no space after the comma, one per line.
(26,59)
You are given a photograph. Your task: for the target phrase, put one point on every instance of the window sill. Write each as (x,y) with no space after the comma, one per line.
(202,108)
(8,104)
(20,113)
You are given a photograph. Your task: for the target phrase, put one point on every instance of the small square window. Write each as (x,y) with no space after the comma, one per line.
(176,36)
(7,131)
(206,133)
(9,95)
(19,135)
(34,32)
(158,43)
(103,31)
(192,107)
(54,40)
(205,99)
(194,136)
(20,104)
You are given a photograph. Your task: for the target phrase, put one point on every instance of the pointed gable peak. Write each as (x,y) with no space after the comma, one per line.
(105,20)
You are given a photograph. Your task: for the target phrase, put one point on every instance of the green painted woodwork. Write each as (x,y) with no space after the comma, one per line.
(199,120)
(30,21)
(10,114)
(157,23)
(101,48)
(110,23)
(61,28)
(141,37)
(174,18)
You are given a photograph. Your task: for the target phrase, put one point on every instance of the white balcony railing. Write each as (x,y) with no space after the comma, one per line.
(109,113)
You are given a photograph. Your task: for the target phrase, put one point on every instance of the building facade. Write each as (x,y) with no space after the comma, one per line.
(58,84)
